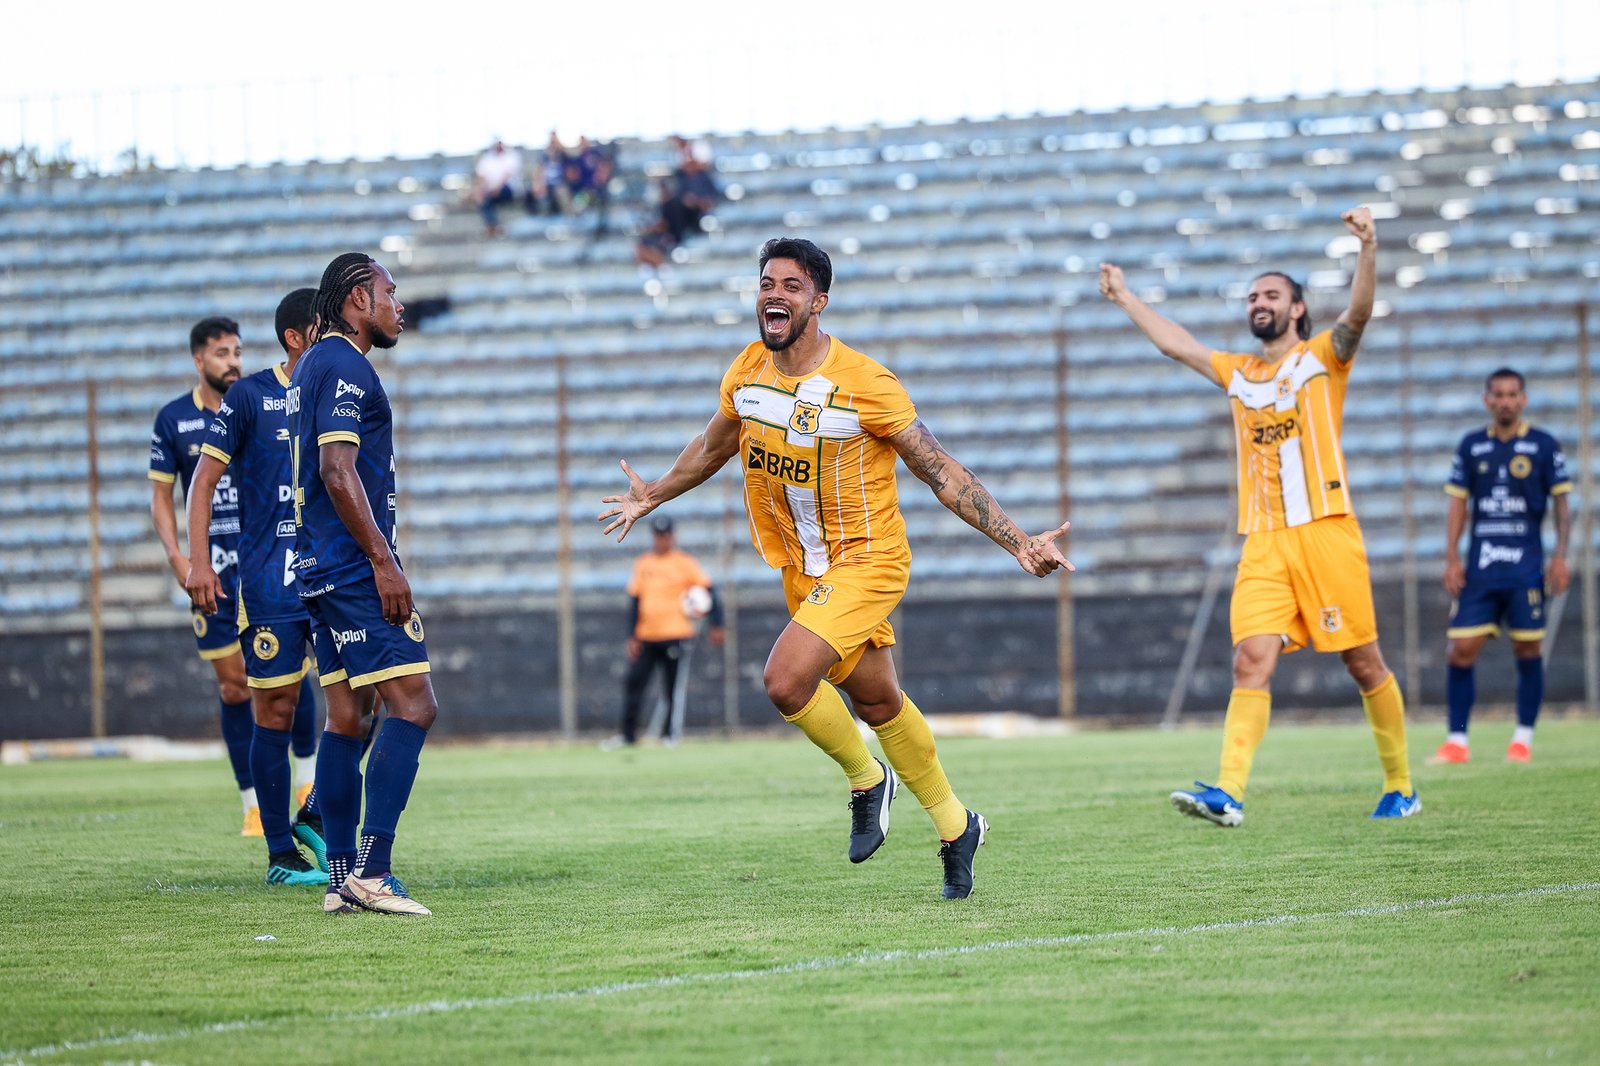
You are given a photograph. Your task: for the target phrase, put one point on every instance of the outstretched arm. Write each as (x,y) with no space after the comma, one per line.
(960,490)
(701,458)
(1363,287)
(1174,341)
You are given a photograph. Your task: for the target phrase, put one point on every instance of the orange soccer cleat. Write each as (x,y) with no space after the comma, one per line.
(1451,752)
(252,823)
(1518,752)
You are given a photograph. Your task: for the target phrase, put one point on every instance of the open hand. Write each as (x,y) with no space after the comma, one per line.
(630,507)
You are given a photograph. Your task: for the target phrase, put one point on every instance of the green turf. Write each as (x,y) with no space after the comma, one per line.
(695,906)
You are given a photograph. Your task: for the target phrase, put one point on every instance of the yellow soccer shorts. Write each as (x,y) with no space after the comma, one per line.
(849,606)
(1309,584)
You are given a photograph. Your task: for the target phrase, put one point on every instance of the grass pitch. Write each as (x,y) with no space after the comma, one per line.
(695,906)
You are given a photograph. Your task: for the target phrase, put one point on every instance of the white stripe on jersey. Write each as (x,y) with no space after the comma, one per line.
(1292,483)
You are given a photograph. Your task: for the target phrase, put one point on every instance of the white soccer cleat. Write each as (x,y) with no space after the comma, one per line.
(385,895)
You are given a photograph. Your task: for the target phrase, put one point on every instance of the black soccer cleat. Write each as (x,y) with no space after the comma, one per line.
(308,830)
(957,856)
(290,868)
(869,815)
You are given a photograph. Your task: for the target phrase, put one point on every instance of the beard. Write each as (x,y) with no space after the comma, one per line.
(381,339)
(797,326)
(1272,329)
(220,385)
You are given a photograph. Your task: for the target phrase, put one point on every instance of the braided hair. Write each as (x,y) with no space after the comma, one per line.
(338,281)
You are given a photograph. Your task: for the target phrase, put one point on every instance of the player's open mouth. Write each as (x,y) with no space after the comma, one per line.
(775,319)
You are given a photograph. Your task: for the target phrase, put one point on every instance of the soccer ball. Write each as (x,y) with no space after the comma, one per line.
(696,601)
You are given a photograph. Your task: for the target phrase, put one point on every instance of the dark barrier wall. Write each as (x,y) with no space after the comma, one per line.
(496,672)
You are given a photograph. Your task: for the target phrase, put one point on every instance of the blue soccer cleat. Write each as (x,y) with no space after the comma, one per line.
(1398,805)
(1210,803)
(290,868)
(308,830)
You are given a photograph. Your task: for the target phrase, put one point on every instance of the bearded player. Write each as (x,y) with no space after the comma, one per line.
(1303,577)
(819,426)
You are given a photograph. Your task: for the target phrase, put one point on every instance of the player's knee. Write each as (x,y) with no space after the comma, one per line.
(787,691)
(275,709)
(1461,655)
(1251,669)
(1527,649)
(233,691)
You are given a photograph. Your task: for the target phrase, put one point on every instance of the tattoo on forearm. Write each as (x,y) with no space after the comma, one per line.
(923,457)
(1345,339)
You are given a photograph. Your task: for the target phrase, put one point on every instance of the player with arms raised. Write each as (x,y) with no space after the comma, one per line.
(819,426)
(367,633)
(251,432)
(1303,576)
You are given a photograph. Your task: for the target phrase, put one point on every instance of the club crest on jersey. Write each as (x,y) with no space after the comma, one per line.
(1285,388)
(804,419)
(819,593)
(265,644)
(413,627)
(1521,466)
(1332,620)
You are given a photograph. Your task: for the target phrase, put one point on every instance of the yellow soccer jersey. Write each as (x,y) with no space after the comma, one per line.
(1287,417)
(819,482)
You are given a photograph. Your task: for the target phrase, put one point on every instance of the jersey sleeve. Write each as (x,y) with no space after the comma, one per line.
(230,427)
(163,453)
(730,381)
(885,408)
(1458,485)
(349,389)
(1560,481)
(633,577)
(1321,346)
(1223,364)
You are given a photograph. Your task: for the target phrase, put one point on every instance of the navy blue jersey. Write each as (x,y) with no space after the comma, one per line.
(1507,485)
(175,443)
(335,395)
(251,433)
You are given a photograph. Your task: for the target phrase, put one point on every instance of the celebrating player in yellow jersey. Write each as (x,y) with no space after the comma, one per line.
(819,426)
(1303,577)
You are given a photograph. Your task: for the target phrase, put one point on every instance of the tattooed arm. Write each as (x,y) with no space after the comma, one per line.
(960,490)
(1363,287)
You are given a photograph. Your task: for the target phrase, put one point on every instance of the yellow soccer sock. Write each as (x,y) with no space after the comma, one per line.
(1242,730)
(1386,712)
(828,724)
(908,745)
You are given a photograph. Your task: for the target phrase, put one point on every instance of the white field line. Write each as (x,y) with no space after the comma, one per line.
(837,962)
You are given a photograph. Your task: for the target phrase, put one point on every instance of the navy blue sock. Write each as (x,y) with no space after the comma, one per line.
(237,728)
(339,796)
(305,719)
(1460,691)
(269,766)
(391,769)
(1530,689)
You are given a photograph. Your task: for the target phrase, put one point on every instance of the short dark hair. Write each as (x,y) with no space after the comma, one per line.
(338,281)
(1303,327)
(815,261)
(209,329)
(296,311)
(1505,372)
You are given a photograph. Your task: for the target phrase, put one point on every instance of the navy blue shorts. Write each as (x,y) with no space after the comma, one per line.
(355,644)
(1483,613)
(275,653)
(217,635)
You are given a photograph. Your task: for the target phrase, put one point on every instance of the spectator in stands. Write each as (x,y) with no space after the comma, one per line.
(685,200)
(670,592)
(546,186)
(495,182)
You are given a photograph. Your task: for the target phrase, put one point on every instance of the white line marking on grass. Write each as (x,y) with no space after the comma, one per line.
(836,962)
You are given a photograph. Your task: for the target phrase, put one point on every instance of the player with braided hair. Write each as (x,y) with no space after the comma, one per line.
(367,634)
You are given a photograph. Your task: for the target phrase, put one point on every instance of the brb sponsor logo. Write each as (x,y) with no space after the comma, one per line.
(793,469)
(341,637)
(345,387)
(1266,431)
(273,403)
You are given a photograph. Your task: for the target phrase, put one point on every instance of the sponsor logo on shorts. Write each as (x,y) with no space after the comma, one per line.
(783,467)
(345,387)
(1332,619)
(819,593)
(316,592)
(341,637)
(264,643)
(413,627)
(346,410)
(804,419)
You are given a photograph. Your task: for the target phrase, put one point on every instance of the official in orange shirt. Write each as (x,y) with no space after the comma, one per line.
(1303,577)
(661,630)
(819,426)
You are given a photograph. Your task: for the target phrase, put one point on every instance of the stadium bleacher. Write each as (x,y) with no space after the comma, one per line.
(966,258)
